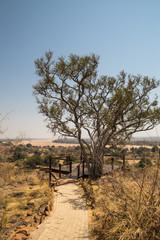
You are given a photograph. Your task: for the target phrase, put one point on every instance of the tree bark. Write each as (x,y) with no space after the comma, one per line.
(97,166)
(124,162)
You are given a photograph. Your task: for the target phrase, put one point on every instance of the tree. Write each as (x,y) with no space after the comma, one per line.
(2,120)
(108,110)
(3,153)
(154,149)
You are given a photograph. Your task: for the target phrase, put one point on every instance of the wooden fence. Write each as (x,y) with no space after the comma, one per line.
(81,168)
(59,170)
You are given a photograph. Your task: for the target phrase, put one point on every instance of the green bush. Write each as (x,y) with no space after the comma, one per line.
(33,161)
(45,160)
(28,145)
(144,162)
(20,163)
(39,160)
(154,149)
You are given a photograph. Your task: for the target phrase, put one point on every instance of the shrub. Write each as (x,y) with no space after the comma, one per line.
(33,161)
(39,160)
(127,206)
(144,162)
(28,145)
(20,163)
(17,155)
(3,222)
(46,160)
(88,192)
(154,149)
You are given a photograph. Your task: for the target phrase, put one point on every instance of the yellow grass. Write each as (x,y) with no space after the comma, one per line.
(137,146)
(21,192)
(126,206)
(130,162)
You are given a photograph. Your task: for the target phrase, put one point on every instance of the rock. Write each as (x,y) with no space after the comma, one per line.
(25,231)
(51,206)
(42,218)
(29,213)
(23,217)
(29,221)
(47,208)
(47,213)
(19,236)
(36,218)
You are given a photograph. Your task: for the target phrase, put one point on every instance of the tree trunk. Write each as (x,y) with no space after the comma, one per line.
(94,162)
(124,162)
(97,166)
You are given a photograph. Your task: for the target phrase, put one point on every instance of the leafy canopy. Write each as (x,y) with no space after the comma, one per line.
(108,109)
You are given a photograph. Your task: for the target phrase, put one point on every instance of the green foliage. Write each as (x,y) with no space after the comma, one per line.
(37,152)
(46,160)
(28,145)
(33,161)
(75,159)
(77,148)
(140,150)
(18,155)
(155,149)
(39,160)
(20,163)
(144,162)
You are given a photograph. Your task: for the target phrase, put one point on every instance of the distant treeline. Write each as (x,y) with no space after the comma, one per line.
(68,140)
(135,141)
(65,140)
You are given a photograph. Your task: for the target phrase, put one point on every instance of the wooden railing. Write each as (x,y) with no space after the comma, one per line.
(59,170)
(81,169)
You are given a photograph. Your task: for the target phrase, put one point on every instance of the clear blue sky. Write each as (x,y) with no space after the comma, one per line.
(125,33)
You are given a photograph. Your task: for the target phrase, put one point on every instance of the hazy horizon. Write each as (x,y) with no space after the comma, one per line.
(142,138)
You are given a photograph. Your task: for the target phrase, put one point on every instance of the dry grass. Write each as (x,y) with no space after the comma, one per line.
(132,162)
(126,206)
(21,192)
(10,174)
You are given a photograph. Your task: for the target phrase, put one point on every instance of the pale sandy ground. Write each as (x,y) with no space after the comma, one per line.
(48,142)
(137,146)
(130,162)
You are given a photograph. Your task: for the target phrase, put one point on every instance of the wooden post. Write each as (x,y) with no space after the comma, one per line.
(50,167)
(69,162)
(78,171)
(124,162)
(81,157)
(67,158)
(83,168)
(59,170)
(70,166)
(112,163)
